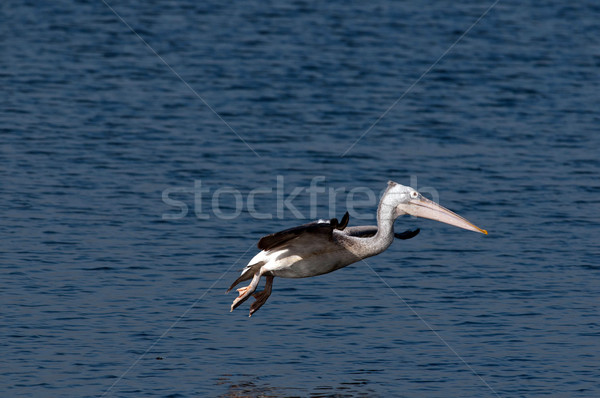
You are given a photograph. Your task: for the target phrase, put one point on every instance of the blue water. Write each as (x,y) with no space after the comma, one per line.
(103,294)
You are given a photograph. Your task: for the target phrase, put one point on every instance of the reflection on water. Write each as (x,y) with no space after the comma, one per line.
(247,386)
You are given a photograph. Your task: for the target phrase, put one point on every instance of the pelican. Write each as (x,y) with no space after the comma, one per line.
(324,246)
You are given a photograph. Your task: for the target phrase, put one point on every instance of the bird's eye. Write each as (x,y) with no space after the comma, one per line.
(414,194)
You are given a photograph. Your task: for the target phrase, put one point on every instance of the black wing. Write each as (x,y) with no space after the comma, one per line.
(408,234)
(324,227)
(366,231)
(362,231)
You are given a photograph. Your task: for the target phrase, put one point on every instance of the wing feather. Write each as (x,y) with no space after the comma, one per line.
(361,231)
(321,227)
(367,231)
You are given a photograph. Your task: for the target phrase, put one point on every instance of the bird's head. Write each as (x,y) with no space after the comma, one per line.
(407,200)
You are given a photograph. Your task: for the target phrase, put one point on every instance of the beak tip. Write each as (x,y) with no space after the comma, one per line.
(483,231)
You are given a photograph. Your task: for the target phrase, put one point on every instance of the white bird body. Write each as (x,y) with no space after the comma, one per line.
(323,246)
(303,259)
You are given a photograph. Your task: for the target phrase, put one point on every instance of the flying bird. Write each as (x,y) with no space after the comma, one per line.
(324,246)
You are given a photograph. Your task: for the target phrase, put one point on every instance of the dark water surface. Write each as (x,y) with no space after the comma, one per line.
(94,128)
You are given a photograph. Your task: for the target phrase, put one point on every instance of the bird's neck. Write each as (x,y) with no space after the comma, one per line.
(385,228)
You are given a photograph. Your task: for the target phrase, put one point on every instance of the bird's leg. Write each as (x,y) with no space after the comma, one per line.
(261,297)
(246,292)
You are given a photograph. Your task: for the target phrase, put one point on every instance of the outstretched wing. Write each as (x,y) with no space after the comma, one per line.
(361,231)
(408,234)
(321,227)
(366,231)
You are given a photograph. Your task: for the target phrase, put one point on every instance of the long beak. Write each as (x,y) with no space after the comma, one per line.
(425,208)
